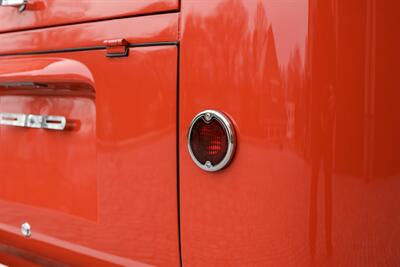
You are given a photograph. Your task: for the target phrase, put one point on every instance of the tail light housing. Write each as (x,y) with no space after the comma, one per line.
(211,140)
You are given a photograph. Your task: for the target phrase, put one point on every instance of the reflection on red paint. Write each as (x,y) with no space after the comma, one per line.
(37,173)
(39,13)
(313,95)
(92,195)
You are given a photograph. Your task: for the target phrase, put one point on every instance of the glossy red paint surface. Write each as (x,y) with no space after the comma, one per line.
(158,28)
(43,13)
(104,192)
(311,86)
(313,89)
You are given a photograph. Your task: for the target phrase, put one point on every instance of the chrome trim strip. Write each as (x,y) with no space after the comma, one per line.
(208,115)
(21,4)
(13,2)
(49,122)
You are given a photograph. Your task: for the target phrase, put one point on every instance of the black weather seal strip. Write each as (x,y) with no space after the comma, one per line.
(88,48)
(66,50)
(153,44)
(178,160)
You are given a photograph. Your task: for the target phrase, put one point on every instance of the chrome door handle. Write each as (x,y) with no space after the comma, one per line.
(49,122)
(16,3)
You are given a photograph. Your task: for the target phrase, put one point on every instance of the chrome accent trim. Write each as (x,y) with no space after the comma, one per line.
(21,4)
(49,122)
(208,115)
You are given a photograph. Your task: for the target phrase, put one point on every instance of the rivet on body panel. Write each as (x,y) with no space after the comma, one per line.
(26,230)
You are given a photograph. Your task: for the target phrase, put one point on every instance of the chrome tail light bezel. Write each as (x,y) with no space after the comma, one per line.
(227,125)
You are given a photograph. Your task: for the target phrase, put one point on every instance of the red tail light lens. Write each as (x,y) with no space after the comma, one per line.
(211,140)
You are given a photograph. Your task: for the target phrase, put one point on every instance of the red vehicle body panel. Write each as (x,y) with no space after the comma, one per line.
(40,13)
(310,85)
(313,89)
(148,29)
(91,193)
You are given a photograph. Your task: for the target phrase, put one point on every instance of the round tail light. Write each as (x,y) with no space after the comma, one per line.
(211,140)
